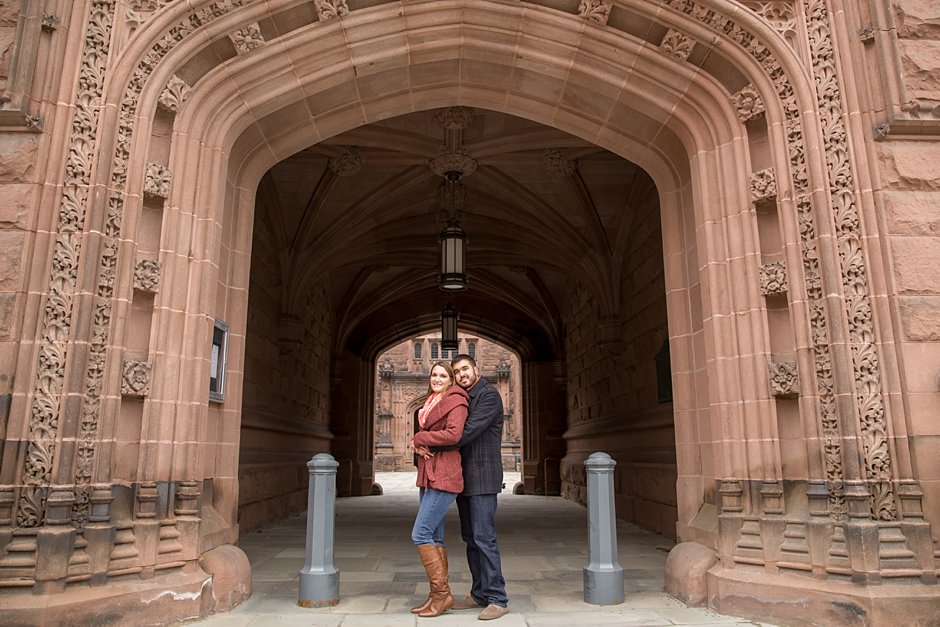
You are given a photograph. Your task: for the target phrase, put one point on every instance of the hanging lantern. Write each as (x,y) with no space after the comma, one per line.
(453,259)
(449,328)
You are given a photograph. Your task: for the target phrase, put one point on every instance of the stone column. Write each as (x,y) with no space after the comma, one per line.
(603,576)
(319,579)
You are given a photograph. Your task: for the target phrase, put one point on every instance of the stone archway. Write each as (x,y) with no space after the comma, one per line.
(760,228)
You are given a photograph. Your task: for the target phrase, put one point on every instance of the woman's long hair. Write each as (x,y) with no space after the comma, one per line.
(450,372)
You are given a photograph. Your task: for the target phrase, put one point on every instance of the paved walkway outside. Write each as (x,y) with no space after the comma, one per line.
(543,542)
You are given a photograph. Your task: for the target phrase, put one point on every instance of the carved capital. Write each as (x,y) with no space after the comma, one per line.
(247,38)
(147,275)
(763,184)
(784,379)
(174,94)
(773,278)
(135,379)
(347,163)
(597,11)
(558,164)
(748,103)
(328,9)
(157,180)
(677,45)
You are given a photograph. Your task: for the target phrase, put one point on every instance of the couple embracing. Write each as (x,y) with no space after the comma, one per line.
(459,459)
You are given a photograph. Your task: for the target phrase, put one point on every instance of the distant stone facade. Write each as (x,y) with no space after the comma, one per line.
(402,385)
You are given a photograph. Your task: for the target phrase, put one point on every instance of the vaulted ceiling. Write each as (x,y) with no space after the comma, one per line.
(543,208)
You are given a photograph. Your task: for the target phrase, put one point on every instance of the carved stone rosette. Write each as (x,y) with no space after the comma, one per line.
(174,95)
(597,11)
(763,185)
(328,9)
(347,163)
(247,38)
(773,278)
(748,103)
(558,164)
(677,45)
(147,275)
(784,379)
(135,378)
(157,180)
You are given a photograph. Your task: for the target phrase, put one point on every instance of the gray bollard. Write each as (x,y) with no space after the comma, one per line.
(603,576)
(319,579)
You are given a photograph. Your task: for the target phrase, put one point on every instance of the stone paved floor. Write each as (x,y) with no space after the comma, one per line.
(543,542)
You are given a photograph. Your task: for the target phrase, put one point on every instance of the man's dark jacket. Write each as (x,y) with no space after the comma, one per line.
(481,442)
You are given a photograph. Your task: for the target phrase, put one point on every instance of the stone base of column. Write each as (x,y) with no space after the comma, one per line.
(318,589)
(793,599)
(603,587)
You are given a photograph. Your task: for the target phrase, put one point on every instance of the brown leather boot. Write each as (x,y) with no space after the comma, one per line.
(441,598)
(423,606)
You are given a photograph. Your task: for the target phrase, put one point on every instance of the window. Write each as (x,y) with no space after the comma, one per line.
(217,362)
(434,350)
(472,349)
(417,350)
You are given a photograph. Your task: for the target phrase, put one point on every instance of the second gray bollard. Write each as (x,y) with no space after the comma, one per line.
(603,576)
(319,579)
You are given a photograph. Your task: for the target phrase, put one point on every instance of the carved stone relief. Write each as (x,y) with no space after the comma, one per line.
(456,159)
(781,14)
(773,278)
(456,118)
(174,95)
(678,45)
(50,22)
(328,9)
(347,163)
(247,38)
(784,379)
(147,275)
(558,164)
(597,11)
(135,378)
(157,180)
(748,103)
(763,184)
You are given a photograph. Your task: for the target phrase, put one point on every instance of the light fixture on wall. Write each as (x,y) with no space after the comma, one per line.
(449,328)
(453,277)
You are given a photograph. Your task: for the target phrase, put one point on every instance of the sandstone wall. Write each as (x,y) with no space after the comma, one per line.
(285,414)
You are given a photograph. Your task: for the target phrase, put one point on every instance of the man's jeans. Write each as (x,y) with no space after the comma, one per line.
(429,523)
(478,529)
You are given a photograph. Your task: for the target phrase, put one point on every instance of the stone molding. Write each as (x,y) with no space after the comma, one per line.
(784,379)
(596,11)
(773,278)
(135,378)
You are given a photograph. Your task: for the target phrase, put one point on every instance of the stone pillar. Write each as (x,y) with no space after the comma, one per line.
(319,579)
(603,576)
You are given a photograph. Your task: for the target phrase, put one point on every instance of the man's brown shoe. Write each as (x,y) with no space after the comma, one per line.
(466,603)
(493,611)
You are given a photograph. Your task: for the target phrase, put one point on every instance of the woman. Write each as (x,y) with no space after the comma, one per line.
(440,480)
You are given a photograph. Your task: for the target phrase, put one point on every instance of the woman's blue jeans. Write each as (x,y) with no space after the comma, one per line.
(429,523)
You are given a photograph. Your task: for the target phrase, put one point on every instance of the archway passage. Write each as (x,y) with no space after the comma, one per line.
(345,259)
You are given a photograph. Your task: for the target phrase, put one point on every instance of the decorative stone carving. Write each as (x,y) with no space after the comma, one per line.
(920,109)
(784,379)
(157,180)
(456,118)
(347,163)
(781,14)
(597,11)
(174,94)
(677,45)
(453,160)
(328,9)
(773,278)
(748,103)
(50,22)
(558,164)
(763,185)
(147,275)
(135,379)
(866,35)
(247,38)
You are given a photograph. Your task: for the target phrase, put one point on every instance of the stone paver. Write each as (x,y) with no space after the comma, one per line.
(543,541)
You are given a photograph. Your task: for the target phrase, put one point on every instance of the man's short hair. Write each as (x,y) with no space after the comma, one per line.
(463,357)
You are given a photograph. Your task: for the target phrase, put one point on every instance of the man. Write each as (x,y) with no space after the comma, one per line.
(480,452)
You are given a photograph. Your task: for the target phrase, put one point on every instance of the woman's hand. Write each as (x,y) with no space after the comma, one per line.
(421,449)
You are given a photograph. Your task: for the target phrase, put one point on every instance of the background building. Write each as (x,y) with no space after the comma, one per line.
(401,387)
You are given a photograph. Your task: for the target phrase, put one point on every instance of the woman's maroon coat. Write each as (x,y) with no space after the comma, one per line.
(443,426)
